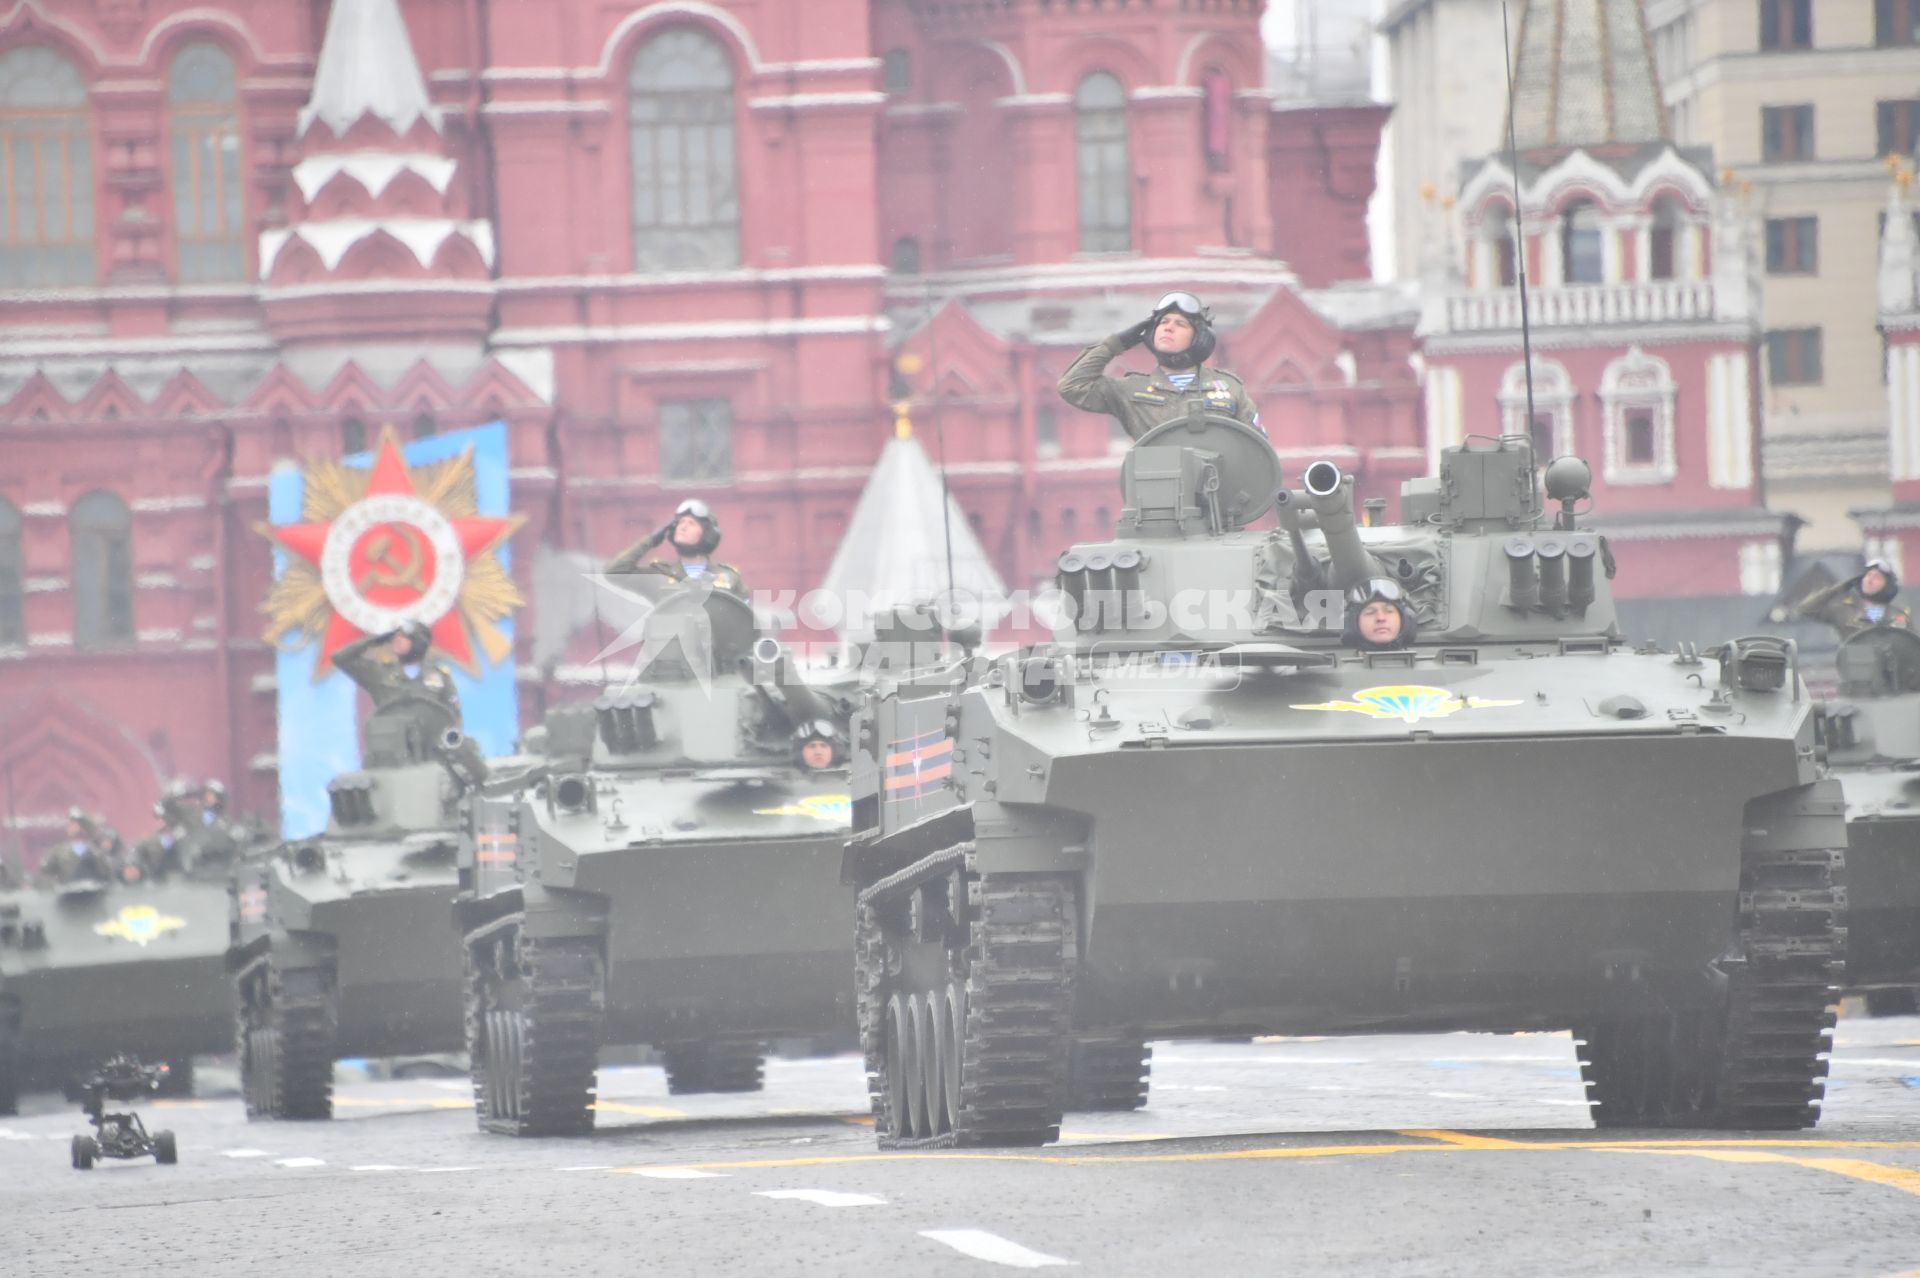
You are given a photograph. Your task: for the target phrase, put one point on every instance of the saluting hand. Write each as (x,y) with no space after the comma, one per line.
(1132,337)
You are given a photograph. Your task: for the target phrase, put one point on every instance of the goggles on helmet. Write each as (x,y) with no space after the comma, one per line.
(695,507)
(1878,565)
(1185,303)
(822,729)
(1379,588)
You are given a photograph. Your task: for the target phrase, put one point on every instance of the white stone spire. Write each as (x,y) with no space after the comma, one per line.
(1899,255)
(367,67)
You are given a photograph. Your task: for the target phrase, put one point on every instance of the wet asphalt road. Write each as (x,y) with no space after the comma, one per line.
(1457,1154)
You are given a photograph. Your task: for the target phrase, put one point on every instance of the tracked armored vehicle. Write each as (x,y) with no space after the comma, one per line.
(669,877)
(93,969)
(1204,811)
(339,942)
(1872,735)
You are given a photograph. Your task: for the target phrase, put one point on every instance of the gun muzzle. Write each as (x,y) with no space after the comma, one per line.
(1332,500)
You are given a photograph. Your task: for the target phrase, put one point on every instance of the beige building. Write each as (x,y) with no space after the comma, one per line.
(1803,99)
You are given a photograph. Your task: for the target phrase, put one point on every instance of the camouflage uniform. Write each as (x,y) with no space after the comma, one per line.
(1849,612)
(721,576)
(1141,401)
(427,699)
(77,860)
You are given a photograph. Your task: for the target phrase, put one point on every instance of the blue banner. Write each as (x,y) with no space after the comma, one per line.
(319,734)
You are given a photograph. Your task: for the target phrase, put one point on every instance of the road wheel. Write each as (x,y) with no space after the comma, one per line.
(285,1029)
(535,1014)
(85,1150)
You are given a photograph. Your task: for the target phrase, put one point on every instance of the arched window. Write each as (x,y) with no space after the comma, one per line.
(1582,259)
(1106,176)
(1637,399)
(13,609)
(1551,428)
(207,217)
(1502,260)
(906,256)
(46,171)
(896,72)
(424,426)
(102,533)
(1216,121)
(1663,240)
(680,114)
(353,436)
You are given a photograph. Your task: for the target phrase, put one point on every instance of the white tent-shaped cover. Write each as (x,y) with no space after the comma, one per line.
(894,553)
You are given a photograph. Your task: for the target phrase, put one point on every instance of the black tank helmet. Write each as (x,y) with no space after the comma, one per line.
(1885,568)
(419,640)
(710,527)
(820,730)
(1382,590)
(1196,314)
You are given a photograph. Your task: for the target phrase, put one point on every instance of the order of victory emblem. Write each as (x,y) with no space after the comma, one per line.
(1407,702)
(835,809)
(381,548)
(139,924)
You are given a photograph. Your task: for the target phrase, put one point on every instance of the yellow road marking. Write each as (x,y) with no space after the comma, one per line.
(1901,1178)
(1465,1140)
(644,1111)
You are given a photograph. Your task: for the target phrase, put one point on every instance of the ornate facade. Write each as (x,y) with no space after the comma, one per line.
(677,247)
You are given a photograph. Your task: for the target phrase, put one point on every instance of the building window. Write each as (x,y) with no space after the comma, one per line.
(896,72)
(1793,357)
(1897,125)
(1106,174)
(1786,24)
(1580,244)
(1760,568)
(353,436)
(696,440)
(1216,119)
(680,114)
(1896,23)
(1502,248)
(207,219)
(1786,134)
(46,171)
(13,604)
(1663,240)
(1551,428)
(1637,396)
(906,256)
(1046,431)
(102,528)
(1793,245)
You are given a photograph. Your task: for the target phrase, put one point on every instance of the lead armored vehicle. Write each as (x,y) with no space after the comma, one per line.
(1205,811)
(338,942)
(670,877)
(92,969)
(1873,744)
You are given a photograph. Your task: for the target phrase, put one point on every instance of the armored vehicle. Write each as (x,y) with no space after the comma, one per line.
(92,969)
(1872,735)
(339,941)
(1204,810)
(669,877)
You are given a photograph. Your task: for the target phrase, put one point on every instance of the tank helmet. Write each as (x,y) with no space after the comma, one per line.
(1379,590)
(709,525)
(215,792)
(820,730)
(1884,568)
(1198,315)
(419,639)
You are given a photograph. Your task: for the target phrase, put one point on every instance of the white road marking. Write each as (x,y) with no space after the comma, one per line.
(678,1173)
(373,1167)
(982,1245)
(823,1197)
(245,1153)
(7,1133)
(594,1167)
(299,1162)
(433,1170)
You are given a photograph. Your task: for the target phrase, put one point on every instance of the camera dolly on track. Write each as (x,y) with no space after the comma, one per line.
(121,1135)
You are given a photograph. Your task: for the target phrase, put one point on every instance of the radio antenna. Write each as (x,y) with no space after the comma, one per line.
(940,443)
(1519,222)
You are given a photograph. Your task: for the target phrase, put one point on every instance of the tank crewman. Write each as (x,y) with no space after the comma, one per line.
(819,745)
(167,850)
(1379,616)
(1859,604)
(695,535)
(81,858)
(1180,334)
(406,682)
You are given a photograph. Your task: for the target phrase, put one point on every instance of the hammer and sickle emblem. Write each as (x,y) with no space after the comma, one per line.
(388,566)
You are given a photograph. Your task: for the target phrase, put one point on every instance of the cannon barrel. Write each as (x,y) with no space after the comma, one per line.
(1327,492)
(1306,567)
(776,680)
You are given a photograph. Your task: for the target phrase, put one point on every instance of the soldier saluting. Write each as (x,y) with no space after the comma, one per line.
(404,683)
(1180,334)
(1859,604)
(695,535)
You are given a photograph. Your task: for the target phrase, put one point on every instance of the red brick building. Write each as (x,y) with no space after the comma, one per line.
(676,246)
